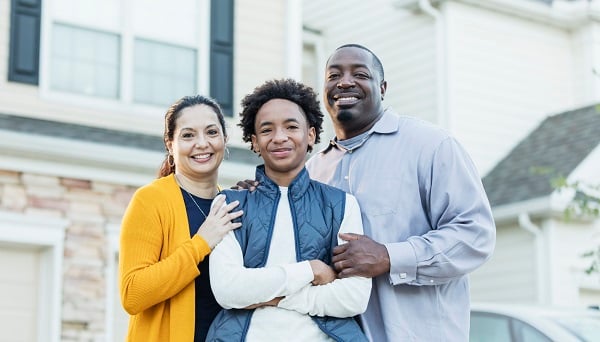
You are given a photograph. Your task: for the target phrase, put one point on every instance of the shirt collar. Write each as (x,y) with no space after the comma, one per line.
(388,123)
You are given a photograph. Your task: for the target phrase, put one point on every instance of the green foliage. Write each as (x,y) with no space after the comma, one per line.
(594,257)
(586,203)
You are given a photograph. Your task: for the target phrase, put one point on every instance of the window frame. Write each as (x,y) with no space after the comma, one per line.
(114,109)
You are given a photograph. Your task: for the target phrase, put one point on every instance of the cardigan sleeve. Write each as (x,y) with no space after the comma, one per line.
(345,297)
(148,273)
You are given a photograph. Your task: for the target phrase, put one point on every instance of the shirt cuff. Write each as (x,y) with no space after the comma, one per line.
(403,263)
(297,275)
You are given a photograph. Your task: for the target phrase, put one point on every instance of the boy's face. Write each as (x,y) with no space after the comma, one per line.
(282,137)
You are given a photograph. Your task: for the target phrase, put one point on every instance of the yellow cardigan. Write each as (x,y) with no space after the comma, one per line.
(158,262)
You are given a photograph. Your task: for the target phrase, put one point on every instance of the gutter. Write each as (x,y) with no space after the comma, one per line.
(540,268)
(562,14)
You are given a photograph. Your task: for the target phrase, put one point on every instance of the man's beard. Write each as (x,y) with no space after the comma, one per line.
(344,115)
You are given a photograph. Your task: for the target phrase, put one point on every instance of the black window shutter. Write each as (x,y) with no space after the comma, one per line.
(221,53)
(24,56)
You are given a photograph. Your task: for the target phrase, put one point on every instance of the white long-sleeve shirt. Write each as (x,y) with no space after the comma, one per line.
(236,286)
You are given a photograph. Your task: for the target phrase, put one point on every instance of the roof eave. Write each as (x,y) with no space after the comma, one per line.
(552,205)
(562,14)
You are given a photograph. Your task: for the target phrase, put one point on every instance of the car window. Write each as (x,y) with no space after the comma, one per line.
(524,332)
(489,328)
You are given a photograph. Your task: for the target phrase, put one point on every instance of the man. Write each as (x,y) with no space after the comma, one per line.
(426,217)
(272,276)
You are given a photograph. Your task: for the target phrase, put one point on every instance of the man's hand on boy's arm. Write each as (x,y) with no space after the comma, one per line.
(360,256)
(247,184)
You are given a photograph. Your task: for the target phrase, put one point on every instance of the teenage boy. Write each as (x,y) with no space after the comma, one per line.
(273,275)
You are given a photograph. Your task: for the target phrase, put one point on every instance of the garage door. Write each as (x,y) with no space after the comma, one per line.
(19,276)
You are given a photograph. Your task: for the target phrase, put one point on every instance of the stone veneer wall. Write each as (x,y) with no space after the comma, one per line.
(89,207)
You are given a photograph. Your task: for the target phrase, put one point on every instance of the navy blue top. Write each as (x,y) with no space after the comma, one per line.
(206,305)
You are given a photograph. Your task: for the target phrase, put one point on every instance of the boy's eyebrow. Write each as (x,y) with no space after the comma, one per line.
(265,123)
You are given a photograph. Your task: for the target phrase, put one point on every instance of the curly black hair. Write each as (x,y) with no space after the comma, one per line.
(286,89)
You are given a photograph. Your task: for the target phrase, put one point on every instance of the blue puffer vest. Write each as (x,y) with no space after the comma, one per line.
(317,211)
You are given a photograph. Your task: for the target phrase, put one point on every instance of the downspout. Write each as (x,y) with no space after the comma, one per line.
(443,118)
(526,224)
(293,39)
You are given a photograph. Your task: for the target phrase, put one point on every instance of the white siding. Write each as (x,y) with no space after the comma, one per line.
(259,51)
(405,43)
(259,43)
(509,276)
(586,47)
(505,75)
(567,242)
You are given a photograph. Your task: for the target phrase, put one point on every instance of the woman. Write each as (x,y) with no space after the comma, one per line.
(169,228)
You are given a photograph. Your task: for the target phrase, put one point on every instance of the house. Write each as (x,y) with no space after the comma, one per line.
(488,70)
(491,71)
(538,256)
(84,86)
(83,90)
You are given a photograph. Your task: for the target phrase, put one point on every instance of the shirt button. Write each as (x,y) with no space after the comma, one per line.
(431,280)
(346,177)
(402,275)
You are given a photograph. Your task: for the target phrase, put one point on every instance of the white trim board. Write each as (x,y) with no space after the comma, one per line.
(47,233)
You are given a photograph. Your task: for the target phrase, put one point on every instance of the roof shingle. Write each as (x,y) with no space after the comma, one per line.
(555,148)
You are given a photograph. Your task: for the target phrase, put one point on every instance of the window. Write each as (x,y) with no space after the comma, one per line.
(525,332)
(163,73)
(115,54)
(489,328)
(84,61)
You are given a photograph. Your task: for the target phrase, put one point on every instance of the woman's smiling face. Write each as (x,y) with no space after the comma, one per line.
(198,145)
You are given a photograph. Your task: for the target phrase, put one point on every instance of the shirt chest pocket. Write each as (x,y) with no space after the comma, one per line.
(379,197)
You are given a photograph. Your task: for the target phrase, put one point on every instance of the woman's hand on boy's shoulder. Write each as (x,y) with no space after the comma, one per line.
(247,184)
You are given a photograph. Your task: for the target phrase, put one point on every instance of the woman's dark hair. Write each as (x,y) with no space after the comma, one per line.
(286,89)
(173,113)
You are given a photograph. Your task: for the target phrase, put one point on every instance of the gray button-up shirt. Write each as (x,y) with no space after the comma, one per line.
(422,197)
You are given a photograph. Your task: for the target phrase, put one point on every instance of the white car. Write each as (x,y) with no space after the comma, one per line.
(522,323)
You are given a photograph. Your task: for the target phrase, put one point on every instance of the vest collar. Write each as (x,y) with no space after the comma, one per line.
(296,189)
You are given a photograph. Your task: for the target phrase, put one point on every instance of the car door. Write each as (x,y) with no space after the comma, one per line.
(491,327)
